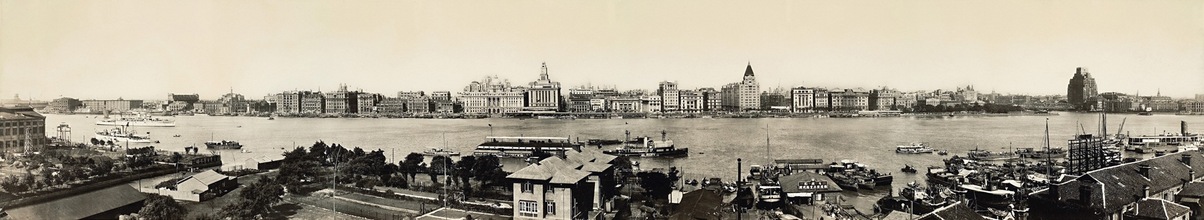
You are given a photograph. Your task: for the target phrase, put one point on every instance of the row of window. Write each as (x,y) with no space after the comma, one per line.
(21,123)
(528,208)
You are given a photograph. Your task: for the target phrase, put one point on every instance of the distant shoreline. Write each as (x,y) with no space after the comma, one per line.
(569,115)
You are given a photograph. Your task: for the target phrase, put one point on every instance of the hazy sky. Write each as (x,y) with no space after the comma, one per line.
(146,49)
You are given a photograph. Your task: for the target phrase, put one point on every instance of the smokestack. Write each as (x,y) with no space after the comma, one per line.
(1183,128)
(1186,158)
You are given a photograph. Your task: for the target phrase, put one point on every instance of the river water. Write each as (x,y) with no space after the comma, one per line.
(714,144)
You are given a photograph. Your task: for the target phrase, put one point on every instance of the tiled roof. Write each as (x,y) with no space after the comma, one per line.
(1114,187)
(208,177)
(80,206)
(790,182)
(1159,209)
(573,168)
(698,204)
(954,211)
(1195,189)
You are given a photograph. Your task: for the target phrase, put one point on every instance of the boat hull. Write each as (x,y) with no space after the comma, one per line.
(135,124)
(116,139)
(679,152)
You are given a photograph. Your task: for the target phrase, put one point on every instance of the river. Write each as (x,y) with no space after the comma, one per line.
(714,144)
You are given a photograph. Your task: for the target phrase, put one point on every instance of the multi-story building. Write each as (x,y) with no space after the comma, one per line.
(366,102)
(598,104)
(849,100)
(342,101)
(670,98)
(543,94)
(493,96)
(446,106)
(564,188)
(883,99)
(691,101)
(119,105)
(391,105)
(823,100)
(421,104)
(21,130)
(712,98)
(288,102)
(802,99)
(624,104)
(313,102)
(1193,106)
(966,95)
(744,95)
(1081,90)
(579,102)
(775,100)
(181,102)
(231,103)
(410,94)
(651,103)
(441,96)
(64,105)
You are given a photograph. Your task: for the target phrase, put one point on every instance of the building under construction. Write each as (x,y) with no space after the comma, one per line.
(1087,153)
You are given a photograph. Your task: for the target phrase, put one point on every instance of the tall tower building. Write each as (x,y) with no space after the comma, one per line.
(543,94)
(1081,90)
(670,98)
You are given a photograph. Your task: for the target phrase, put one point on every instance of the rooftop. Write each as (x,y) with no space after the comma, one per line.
(1159,209)
(80,206)
(1124,183)
(573,168)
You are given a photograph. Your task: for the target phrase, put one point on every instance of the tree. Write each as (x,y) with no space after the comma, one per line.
(161,207)
(411,164)
(296,154)
(464,169)
(256,198)
(294,174)
(488,170)
(656,184)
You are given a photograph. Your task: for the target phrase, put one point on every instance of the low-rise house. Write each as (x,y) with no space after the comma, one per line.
(807,187)
(1192,196)
(200,187)
(1111,192)
(957,210)
(263,162)
(1158,209)
(563,188)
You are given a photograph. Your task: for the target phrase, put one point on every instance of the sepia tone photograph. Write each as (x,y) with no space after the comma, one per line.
(572,110)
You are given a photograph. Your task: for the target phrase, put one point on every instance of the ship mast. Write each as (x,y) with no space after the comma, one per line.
(1048,156)
(767,160)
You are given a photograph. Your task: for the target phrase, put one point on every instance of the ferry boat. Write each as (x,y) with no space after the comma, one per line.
(1169,139)
(770,193)
(119,135)
(224,144)
(440,152)
(523,147)
(849,172)
(650,148)
(985,155)
(146,121)
(914,148)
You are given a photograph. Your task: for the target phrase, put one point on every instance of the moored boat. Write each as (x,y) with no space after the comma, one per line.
(224,144)
(914,148)
(119,135)
(650,148)
(985,155)
(141,121)
(440,152)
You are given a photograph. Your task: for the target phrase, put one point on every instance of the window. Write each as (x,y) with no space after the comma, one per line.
(527,208)
(528,187)
(551,207)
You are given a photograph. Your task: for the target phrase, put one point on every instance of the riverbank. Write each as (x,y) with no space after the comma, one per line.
(630,115)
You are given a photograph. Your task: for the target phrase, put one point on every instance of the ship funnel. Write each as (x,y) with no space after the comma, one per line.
(1183,128)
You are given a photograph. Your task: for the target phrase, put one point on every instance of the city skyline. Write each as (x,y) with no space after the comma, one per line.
(110,50)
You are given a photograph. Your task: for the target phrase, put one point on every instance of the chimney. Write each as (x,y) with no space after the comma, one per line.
(1145,191)
(1085,193)
(1186,159)
(1144,170)
(1191,175)
(1053,191)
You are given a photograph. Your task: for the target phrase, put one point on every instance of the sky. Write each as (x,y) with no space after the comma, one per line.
(148,49)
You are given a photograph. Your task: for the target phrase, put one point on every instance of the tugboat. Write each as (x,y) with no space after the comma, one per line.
(942,152)
(224,144)
(650,148)
(908,169)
